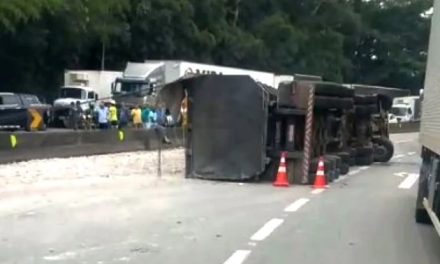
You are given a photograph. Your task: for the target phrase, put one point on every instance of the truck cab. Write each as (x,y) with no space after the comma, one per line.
(139,83)
(68,95)
(400,113)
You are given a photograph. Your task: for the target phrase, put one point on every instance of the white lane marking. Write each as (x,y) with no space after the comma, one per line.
(401,174)
(353,172)
(317,191)
(238,257)
(409,181)
(411,153)
(267,229)
(62,256)
(398,156)
(403,141)
(252,244)
(293,207)
(364,168)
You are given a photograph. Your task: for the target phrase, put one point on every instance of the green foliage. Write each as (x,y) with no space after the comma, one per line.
(380,42)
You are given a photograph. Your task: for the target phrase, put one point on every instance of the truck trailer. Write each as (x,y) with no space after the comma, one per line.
(428,198)
(141,82)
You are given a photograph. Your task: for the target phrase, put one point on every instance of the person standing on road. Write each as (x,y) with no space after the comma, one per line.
(102,116)
(146,117)
(124,116)
(136,113)
(78,115)
(113,112)
(153,117)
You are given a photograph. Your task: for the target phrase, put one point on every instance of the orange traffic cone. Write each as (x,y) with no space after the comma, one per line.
(282,180)
(320,180)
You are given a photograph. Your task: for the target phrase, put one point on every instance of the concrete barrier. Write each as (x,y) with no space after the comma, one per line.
(407,127)
(43,145)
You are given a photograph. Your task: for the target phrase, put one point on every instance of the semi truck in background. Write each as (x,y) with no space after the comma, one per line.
(428,197)
(405,109)
(83,86)
(141,82)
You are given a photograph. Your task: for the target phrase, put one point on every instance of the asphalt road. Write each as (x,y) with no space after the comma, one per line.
(363,218)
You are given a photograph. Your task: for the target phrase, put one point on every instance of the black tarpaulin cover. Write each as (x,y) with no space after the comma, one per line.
(228,116)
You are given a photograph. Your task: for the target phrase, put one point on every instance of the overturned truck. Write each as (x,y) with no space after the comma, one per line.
(238,128)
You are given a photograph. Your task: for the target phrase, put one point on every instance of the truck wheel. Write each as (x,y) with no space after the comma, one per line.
(336,165)
(365,99)
(385,151)
(421,214)
(365,151)
(345,168)
(352,161)
(365,160)
(329,102)
(345,157)
(333,89)
(365,110)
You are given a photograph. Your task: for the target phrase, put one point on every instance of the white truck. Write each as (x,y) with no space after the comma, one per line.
(405,109)
(141,81)
(83,86)
(428,198)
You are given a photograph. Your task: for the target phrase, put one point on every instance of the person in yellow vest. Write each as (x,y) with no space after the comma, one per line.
(113,116)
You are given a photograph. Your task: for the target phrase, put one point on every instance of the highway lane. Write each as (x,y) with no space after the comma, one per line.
(364,218)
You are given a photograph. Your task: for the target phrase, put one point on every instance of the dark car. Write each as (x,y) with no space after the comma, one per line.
(23,111)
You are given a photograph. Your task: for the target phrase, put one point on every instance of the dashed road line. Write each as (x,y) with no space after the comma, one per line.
(267,229)
(401,174)
(293,207)
(364,168)
(238,257)
(409,181)
(411,153)
(317,191)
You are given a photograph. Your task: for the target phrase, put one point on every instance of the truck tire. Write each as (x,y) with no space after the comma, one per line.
(328,102)
(352,161)
(365,151)
(336,167)
(365,99)
(421,215)
(333,89)
(386,149)
(345,157)
(345,168)
(365,160)
(365,110)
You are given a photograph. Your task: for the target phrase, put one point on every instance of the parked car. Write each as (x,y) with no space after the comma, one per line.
(23,111)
